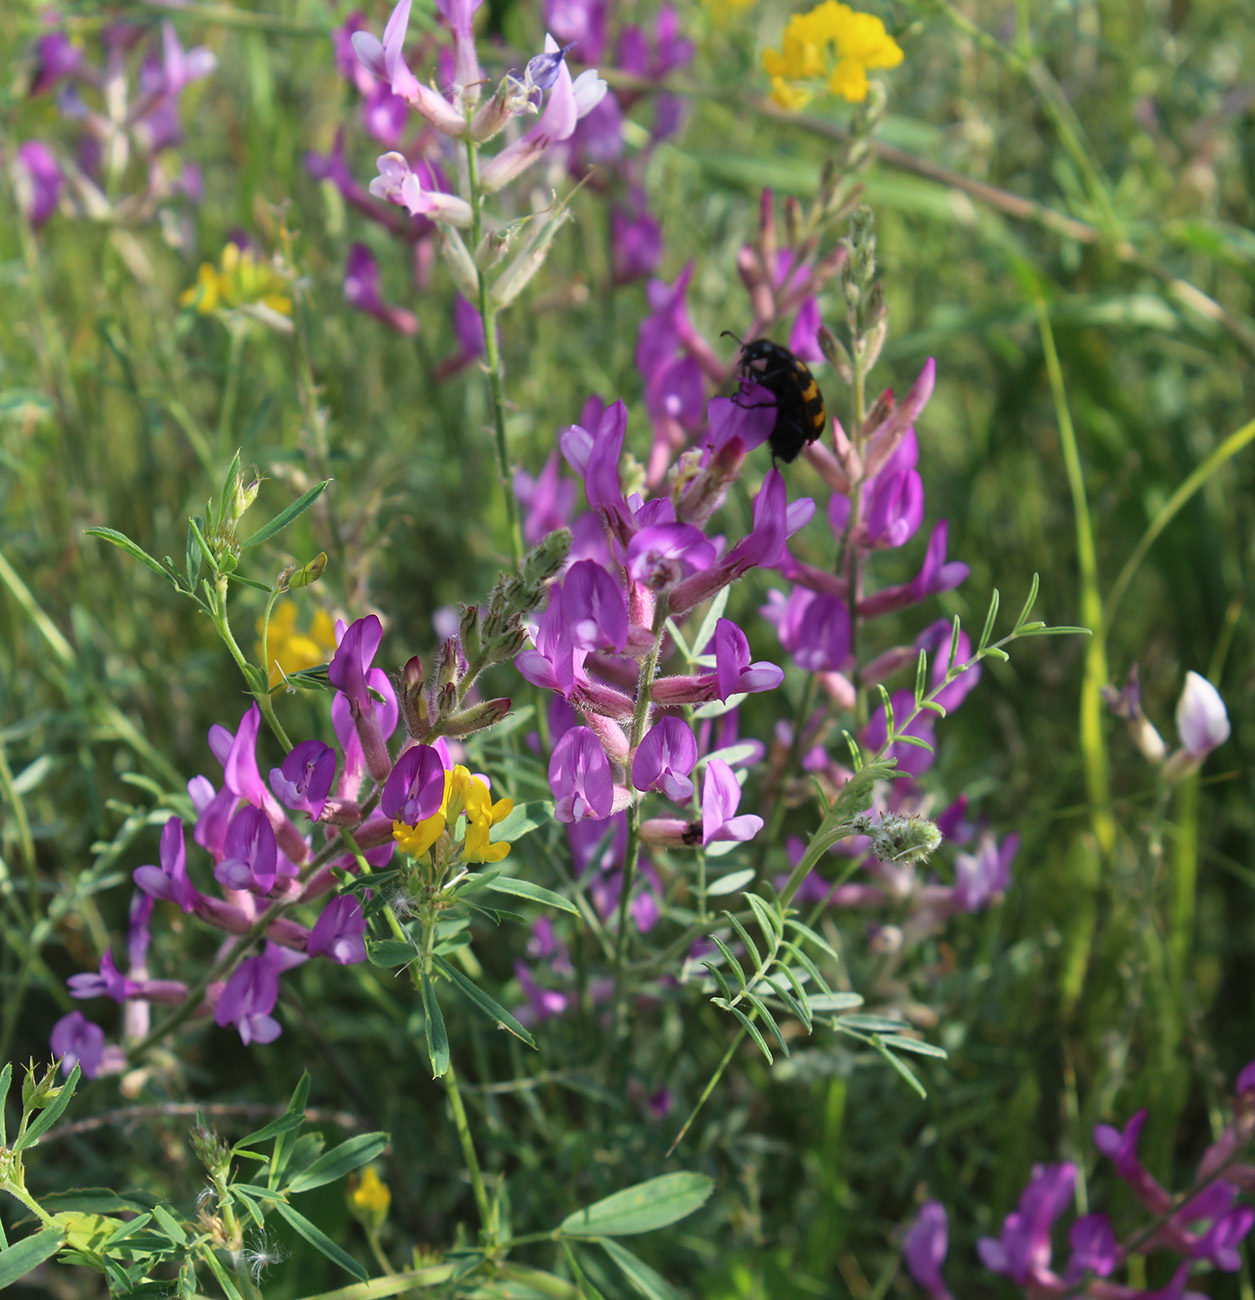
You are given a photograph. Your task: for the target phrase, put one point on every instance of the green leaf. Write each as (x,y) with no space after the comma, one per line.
(718,976)
(285,517)
(29,1253)
(489,1006)
(920,1048)
(170,1225)
(337,1162)
(713,615)
(292,1117)
(586,1289)
(768,921)
(730,959)
(6,1079)
(834,1001)
(642,1208)
(51,1113)
(135,551)
(750,946)
(652,1285)
(988,630)
(433,1025)
(221,1275)
(524,817)
(227,492)
(871,1024)
(730,883)
(390,952)
(525,889)
(761,1007)
(752,1029)
(320,1241)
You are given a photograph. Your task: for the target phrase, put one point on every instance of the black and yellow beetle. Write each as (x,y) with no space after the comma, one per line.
(800,413)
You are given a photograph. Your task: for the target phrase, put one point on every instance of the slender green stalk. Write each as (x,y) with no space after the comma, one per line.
(486,1216)
(492,362)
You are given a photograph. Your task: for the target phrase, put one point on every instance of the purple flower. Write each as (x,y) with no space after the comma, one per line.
(556,663)
(78,1042)
(1219,1242)
(110,983)
(415,786)
(813,628)
(338,932)
(721,795)
(304,781)
(249,996)
(1023,1250)
(1094,1247)
(399,183)
(579,775)
(635,241)
(351,674)
(38,181)
(169,881)
(733,670)
(361,290)
(385,60)
(983,876)
(578,22)
(665,758)
(547,500)
(56,56)
(252,856)
(935,575)
(593,611)
(659,557)
(924,1249)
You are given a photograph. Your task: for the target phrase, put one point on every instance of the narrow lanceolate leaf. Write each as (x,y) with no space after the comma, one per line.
(761,1007)
(340,1160)
(915,1045)
(731,960)
(18,1260)
(285,517)
(489,1006)
(320,1241)
(652,1285)
(750,946)
(769,922)
(642,1208)
(525,889)
(718,978)
(752,1029)
(437,1038)
(135,551)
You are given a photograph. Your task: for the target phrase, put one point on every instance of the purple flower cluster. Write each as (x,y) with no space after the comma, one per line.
(264,863)
(1202,1228)
(125,122)
(578,130)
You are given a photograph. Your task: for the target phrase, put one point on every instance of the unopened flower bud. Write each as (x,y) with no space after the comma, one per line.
(243,495)
(901,837)
(308,574)
(479,717)
(544,561)
(369,1199)
(459,261)
(530,258)
(410,699)
(468,631)
(835,351)
(39,1091)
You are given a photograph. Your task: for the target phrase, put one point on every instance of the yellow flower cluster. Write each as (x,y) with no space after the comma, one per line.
(241,281)
(831,43)
(463,793)
(288,650)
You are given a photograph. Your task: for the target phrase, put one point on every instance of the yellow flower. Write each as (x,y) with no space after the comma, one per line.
(463,793)
(288,650)
(242,281)
(371,1194)
(832,43)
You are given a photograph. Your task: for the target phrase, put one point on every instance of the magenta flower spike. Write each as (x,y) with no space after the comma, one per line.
(1094,1247)
(733,670)
(665,758)
(579,775)
(348,673)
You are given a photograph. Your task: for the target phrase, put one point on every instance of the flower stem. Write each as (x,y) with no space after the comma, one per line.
(492,361)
